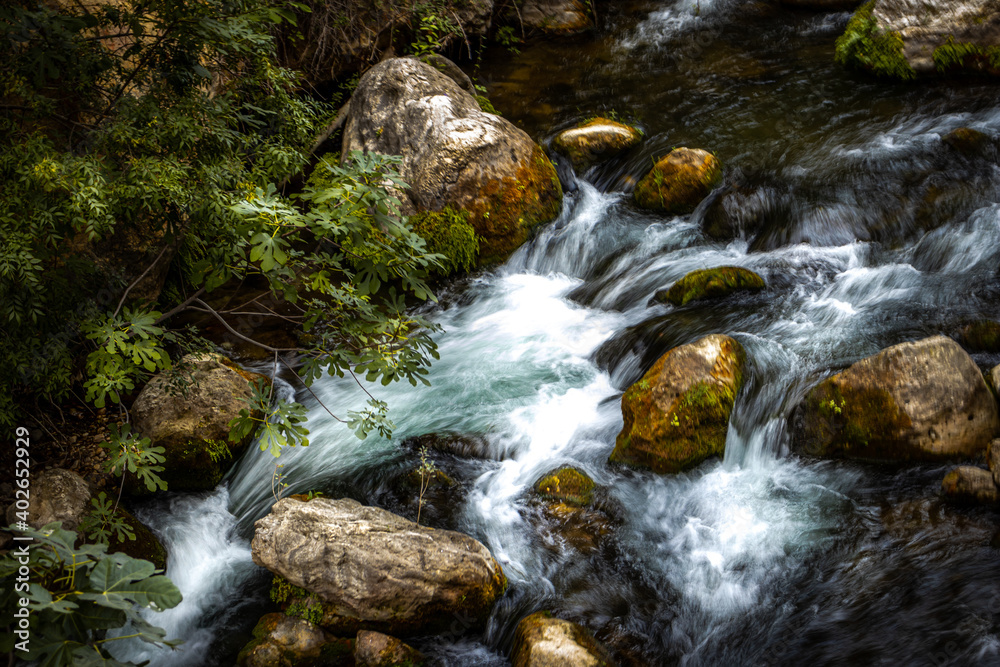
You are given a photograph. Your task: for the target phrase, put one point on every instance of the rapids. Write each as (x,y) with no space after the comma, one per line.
(761,558)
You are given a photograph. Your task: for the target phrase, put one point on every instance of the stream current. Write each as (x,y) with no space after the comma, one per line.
(875,232)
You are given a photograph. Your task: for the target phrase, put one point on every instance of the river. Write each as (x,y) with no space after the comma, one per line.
(881,234)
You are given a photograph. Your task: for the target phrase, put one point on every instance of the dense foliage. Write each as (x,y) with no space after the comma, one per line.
(144,147)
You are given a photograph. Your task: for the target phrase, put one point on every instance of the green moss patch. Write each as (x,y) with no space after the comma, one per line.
(867,46)
(568,485)
(486,105)
(448,233)
(954,55)
(711,284)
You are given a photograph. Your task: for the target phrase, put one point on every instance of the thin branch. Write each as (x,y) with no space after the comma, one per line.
(182,306)
(135,282)
(309,389)
(208,309)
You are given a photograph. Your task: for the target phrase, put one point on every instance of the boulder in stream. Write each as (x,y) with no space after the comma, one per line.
(902,39)
(595,140)
(711,284)
(677,415)
(187,411)
(374,649)
(679,181)
(283,641)
(390,574)
(920,401)
(459,161)
(541,640)
(968,484)
(566,485)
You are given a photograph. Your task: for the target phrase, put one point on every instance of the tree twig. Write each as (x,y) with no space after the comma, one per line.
(135,282)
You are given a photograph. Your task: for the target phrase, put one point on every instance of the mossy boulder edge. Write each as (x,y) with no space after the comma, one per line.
(677,415)
(678,182)
(711,284)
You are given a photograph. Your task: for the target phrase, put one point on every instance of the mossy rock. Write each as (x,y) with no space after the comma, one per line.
(982,336)
(970,485)
(279,641)
(374,649)
(920,401)
(505,211)
(145,546)
(448,233)
(595,140)
(865,45)
(568,485)
(678,182)
(486,105)
(711,284)
(677,415)
(542,640)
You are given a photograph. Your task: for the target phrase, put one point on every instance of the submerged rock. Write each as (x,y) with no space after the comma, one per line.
(711,284)
(187,411)
(56,495)
(373,649)
(566,485)
(902,38)
(555,16)
(457,159)
(920,401)
(595,140)
(391,574)
(971,143)
(970,485)
(677,415)
(982,336)
(282,641)
(678,182)
(542,640)
(754,207)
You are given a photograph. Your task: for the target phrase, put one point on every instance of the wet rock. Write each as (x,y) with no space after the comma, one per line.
(993,460)
(677,415)
(969,484)
(921,401)
(56,495)
(753,207)
(679,181)
(457,159)
(595,140)
(982,336)
(567,485)
(560,524)
(544,641)
(902,39)
(450,70)
(391,575)
(187,411)
(282,641)
(145,546)
(993,378)
(555,16)
(971,143)
(373,649)
(711,284)
(456,444)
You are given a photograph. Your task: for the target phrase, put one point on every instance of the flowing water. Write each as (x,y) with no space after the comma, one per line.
(875,232)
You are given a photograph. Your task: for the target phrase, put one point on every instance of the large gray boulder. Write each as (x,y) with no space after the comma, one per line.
(921,401)
(455,155)
(187,411)
(55,495)
(904,38)
(367,568)
(542,640)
